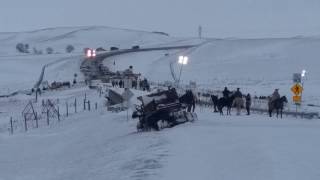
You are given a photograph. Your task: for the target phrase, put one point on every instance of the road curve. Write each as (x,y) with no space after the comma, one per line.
(94,64)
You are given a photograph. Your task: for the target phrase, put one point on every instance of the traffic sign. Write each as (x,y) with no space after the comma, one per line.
(296,99)
(297,89)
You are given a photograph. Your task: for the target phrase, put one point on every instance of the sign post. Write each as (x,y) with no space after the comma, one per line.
(297,91)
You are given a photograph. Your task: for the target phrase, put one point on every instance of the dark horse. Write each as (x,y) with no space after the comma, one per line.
(277,105)
(188,100)
(215,99)
(225,102)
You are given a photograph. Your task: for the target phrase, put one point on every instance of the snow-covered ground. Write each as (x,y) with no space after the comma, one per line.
(20,71)
(102,145)
(257,66)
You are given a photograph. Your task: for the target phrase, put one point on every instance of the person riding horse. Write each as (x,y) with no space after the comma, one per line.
(275,96)
(226,92)
(238,101)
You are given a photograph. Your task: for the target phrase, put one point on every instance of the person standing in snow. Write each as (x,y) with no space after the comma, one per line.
(248,103)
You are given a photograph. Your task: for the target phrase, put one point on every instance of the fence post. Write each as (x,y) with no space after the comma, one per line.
(84,104)
(96,106)
(36,95)
(25,123)
(48,117)
(75,105)
(89,105)
(37,125)
(67,109)
(58,114)
(11,126)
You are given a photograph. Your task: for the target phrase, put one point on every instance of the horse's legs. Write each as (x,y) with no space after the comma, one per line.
(221,111)
(277,113)
(270,113)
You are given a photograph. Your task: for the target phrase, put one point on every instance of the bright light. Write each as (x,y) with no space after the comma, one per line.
(181,59)
(89,53)
(185,60)
(303,74)
(94,53)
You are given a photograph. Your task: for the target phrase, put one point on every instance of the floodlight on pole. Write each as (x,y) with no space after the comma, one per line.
(303,74)
(183,60)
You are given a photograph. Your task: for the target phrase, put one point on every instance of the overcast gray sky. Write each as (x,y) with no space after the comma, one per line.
(219,18)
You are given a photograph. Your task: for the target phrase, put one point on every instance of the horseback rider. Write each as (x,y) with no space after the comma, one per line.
(275,95)
(238,93)
(226,92)
(238,101)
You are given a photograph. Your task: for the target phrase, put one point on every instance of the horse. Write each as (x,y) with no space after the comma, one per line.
(277,105)
(225,102)
(238,103)
(188,99)
(215,102)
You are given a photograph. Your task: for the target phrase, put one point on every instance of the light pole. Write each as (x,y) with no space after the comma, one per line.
(183,60)
(303,76)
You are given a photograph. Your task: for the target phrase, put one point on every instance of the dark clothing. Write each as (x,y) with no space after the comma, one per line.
(248,103)
(238,94)
(226,93)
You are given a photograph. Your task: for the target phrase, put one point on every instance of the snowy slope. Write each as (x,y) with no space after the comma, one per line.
(257,66)
(104,146)
(21,71)
(79,37)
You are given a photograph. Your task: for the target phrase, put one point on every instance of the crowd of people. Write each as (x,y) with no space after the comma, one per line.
(239,98)
(135,84)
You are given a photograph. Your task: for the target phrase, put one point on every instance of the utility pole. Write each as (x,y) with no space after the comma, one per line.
(200,32)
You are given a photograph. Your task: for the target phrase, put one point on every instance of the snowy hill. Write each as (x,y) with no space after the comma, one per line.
(79,37)
(257,66)
(20,71)
(101,145)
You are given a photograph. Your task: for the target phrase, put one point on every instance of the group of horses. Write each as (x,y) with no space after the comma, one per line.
(229,102)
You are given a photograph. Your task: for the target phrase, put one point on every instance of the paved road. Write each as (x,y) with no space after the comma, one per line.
(94,67)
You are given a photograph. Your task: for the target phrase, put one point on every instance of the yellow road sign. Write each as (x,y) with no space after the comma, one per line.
(297,89)
(296,99)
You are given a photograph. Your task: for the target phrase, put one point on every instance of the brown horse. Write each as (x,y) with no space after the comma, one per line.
(277,105)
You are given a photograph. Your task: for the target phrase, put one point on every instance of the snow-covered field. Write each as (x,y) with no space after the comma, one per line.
(102,145)
(257,66)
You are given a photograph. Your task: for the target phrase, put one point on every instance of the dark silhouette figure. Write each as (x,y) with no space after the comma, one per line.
(225,102)
(226,92)
(248,103)
(215,102)
(277,105)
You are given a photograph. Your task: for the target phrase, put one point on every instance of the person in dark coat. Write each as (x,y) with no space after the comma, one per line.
(120,83)
(238,93)
(226,92)
(248,103)
(190,100)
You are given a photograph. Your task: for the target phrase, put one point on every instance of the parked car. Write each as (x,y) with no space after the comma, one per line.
(135,47)
(114,48)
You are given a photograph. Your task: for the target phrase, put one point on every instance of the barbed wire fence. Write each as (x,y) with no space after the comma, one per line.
(49,112)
